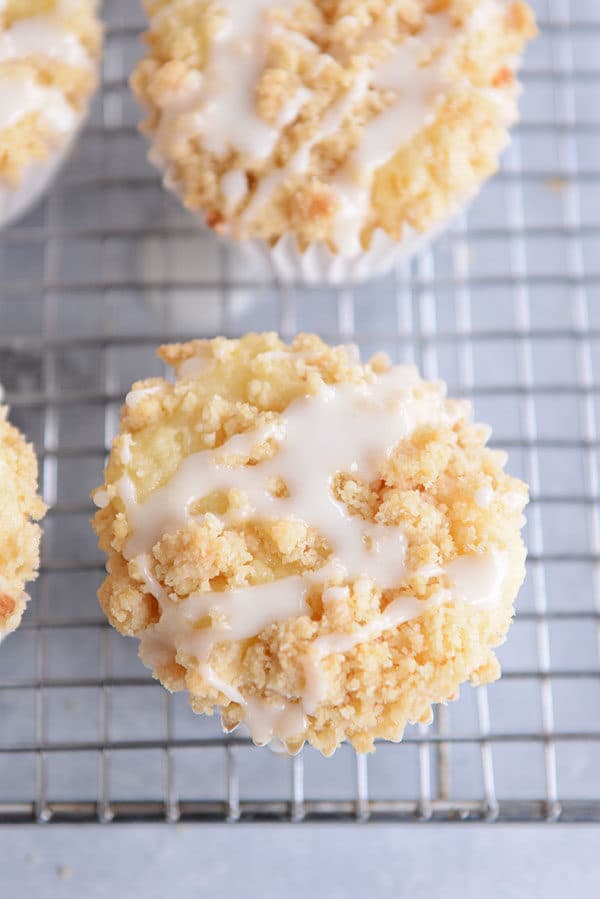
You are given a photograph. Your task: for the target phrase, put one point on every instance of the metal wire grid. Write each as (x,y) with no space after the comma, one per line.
(506,308)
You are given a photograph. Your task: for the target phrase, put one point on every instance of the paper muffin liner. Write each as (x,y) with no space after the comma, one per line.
(38,177)
(318,265)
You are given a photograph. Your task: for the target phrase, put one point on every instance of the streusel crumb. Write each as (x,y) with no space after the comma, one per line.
(20,509)
(330,119)
(316,547)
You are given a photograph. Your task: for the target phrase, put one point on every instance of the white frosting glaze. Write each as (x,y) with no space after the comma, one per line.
(44,35)
(20,96)
(135,397)
(274,721)
(346,428)
(226,114)
(101,499)
(478,579)
(484,496)
(234,185)
(398,612)
(299,164)
(233,615)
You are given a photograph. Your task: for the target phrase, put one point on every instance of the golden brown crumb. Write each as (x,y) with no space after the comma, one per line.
(442,488)
(20,508)
(316,50)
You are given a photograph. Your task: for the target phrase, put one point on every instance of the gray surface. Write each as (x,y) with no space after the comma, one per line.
(295,862)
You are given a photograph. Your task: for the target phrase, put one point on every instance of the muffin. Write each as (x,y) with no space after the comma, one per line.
(332,137)
(20,509)
(317,548)
(49,51)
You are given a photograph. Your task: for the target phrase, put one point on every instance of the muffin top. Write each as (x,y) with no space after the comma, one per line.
(20,508)
(319,547)
(329,118)
(48,69)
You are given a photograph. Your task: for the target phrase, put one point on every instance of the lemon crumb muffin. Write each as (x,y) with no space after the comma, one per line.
(49,51)
(315,547)
(335,133)
(20,509)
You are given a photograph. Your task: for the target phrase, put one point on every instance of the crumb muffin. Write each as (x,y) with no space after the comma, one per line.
(49,51)
(329,130)
(20,509)
(312,546)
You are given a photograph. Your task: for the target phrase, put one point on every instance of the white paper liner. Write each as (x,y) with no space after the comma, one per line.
(15,202)
(318,265)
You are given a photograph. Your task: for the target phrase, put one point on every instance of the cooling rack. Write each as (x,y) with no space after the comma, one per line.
(506,308)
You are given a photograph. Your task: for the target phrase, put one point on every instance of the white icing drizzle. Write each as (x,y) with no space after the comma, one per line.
(274,720)
(477,579)
(233,615)
(194,367)
(418,89)
(135,397)
(300,162)
(484,496)
(20,96)
(234,186)
(44,35)
(225,104)
(398,612)
(345,428)
(101,499)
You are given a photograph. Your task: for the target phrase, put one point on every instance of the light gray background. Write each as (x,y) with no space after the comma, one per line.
(273,862)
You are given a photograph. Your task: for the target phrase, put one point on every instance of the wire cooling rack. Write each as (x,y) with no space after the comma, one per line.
(506,308)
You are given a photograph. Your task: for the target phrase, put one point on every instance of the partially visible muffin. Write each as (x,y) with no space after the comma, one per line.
(315,547)
(49,53)
(20,510)
(336,122)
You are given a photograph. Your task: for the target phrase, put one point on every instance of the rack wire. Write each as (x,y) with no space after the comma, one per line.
(506,308)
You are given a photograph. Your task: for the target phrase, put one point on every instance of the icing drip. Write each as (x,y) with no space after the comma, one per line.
(43,35)
(398,612)
(205,619)
(48,36)
(477,579)
(21,96)
(224,103)
(344,428)
(274,722)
